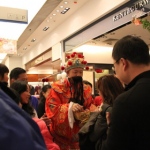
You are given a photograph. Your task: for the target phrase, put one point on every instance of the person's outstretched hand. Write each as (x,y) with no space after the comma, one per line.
(77,107)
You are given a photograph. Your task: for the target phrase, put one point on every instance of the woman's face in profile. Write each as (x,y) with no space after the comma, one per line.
(46,93)
(25,96)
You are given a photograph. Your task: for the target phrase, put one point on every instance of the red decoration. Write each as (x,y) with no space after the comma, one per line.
(69,63)
(68,57)
(136,21)
(80,56)
(62,68)
(43,80)
(87,68)
(98,70)
(72,55)
(84,62)
(46,80)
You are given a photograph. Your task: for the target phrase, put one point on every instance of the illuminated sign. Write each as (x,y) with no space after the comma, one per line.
(137,6)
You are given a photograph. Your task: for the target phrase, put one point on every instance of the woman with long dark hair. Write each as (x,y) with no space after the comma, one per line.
(43,95)
(93,133)
(23,89)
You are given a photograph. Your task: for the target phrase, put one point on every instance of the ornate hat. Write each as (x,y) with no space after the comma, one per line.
(75,60)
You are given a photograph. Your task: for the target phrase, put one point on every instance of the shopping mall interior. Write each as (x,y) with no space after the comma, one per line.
(39,39)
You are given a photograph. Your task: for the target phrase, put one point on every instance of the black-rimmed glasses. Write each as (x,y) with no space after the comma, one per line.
(113,67)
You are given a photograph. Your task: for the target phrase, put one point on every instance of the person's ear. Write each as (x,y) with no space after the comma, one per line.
(124,63)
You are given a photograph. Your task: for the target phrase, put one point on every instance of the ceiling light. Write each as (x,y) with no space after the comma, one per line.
(65,2)
(61,6)
(112,33)
(57,10)
(54,14)
(45,28)
(25,48)
(50,17)
(33,40)
(65,10)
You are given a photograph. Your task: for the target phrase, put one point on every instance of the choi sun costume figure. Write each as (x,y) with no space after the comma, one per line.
(68,103)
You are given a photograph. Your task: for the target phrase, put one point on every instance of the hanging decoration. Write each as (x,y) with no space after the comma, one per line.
(144,22)
(45,80)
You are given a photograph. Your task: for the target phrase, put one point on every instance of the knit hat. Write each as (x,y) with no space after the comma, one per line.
(75,60)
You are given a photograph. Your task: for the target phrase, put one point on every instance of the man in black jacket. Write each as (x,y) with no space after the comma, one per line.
(130,118)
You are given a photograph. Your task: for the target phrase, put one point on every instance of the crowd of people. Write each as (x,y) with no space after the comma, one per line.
(67,116)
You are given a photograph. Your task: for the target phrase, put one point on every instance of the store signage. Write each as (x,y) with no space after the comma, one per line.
(137,6)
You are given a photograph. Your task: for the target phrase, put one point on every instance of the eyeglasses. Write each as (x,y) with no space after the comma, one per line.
(113,68)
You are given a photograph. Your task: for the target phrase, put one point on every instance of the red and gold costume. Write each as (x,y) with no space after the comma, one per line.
(56,107)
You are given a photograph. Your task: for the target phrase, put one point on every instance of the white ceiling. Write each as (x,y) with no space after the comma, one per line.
(13,30)
(43,17)
(49,20)
(40,15)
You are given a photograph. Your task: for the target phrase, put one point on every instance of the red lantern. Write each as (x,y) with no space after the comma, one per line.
(98,70)
(46,80)
(43,80)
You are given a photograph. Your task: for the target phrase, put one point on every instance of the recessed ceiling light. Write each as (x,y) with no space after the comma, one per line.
(54,14)
(65,10)
(57,10)
(45,28)
(61,6)
(50,17)
(112,33)
(33,40)
(65,2)
(25,48)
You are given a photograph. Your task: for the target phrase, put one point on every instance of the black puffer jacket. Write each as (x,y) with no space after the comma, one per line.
(94,131)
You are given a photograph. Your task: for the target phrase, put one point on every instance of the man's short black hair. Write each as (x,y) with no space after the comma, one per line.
(14,74)
(3,69)
(133,49)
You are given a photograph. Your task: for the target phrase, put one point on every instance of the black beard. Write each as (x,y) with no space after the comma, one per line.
(77,86)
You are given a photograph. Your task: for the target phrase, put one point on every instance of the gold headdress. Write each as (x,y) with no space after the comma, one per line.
(75,60)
